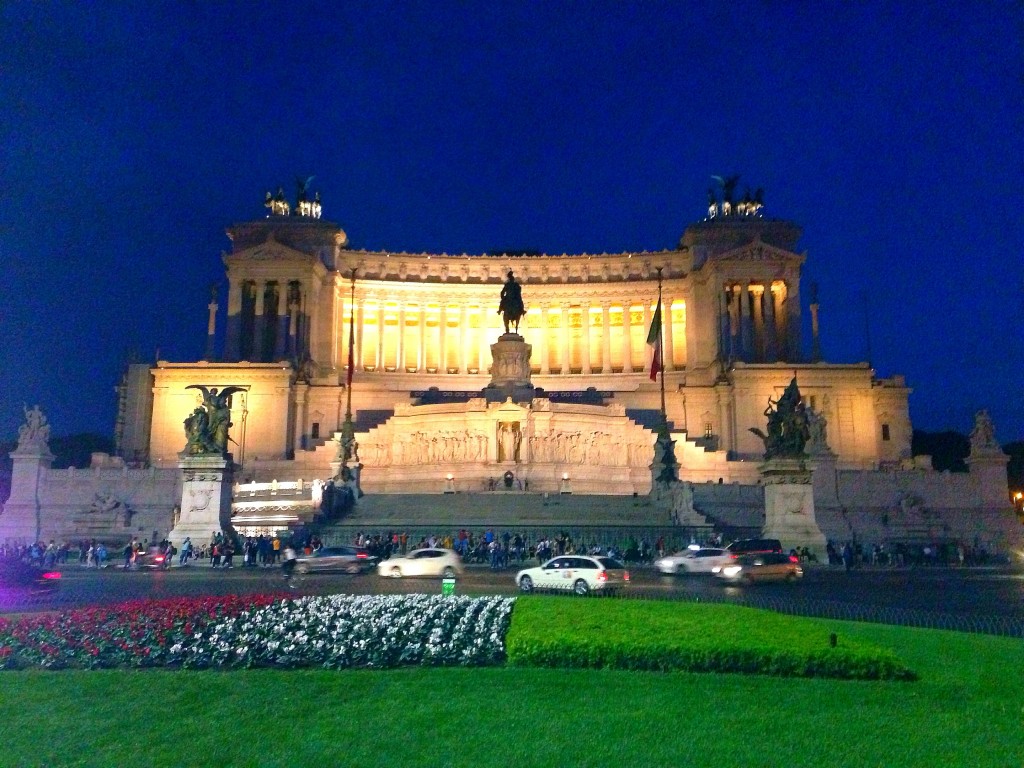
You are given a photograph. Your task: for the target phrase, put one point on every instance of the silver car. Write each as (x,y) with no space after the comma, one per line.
(693,560)
(344,559)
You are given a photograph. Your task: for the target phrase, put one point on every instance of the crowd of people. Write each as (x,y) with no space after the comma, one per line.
(497,549)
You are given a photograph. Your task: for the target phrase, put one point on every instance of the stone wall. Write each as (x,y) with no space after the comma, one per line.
(92,503)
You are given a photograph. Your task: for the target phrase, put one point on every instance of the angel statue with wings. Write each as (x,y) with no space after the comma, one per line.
(206,428)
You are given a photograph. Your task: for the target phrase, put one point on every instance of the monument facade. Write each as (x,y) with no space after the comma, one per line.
(333,369)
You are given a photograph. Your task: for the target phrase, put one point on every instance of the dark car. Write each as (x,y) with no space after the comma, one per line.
(754,546)
(154,557)
(20,581)
(767,566)
(345,559)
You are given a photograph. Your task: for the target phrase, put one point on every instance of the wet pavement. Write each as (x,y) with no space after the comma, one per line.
(972,599)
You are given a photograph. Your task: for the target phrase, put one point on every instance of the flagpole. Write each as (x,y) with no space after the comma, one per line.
(661,354)
(348,428)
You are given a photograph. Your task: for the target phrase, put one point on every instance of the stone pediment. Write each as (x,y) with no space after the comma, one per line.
(510,409)
(269,251)
(758,251)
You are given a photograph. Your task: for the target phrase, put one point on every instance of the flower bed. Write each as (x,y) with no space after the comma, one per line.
(264,630)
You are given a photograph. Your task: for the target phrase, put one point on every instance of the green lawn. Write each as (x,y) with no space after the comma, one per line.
(966,709)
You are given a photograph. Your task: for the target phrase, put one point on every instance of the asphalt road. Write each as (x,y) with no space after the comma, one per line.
(977,599)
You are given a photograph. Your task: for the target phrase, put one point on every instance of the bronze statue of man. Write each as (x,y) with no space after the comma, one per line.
(511,306)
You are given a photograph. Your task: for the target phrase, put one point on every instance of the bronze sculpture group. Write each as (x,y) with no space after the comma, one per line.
(206,428)
(788,425)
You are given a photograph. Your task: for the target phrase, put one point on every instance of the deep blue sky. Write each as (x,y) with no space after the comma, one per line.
(132,134)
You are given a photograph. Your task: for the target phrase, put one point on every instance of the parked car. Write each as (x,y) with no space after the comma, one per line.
(576,573)
(429,561)
(754,546)
(345,559)
(20,581)
(693,560)
(769,566)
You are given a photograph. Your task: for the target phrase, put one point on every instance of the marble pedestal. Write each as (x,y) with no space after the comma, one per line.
(205,498)
(21,521)
(789,505)
(510,370)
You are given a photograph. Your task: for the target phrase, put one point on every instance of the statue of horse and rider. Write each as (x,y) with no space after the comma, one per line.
(511,307)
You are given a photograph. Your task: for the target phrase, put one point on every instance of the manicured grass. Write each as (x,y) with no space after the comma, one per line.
(695,637)
(966,709)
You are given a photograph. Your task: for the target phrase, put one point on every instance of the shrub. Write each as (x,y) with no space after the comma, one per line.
(696,637)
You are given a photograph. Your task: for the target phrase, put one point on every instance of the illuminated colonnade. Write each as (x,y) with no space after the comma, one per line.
(755,322)
(432,334)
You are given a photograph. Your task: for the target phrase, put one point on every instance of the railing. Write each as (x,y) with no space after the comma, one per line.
(273,488)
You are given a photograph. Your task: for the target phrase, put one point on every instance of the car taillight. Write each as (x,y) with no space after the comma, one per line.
(625,575)
(794,559)
(602,576)
(159,558)
(361,555)
(733,557)
(51,575)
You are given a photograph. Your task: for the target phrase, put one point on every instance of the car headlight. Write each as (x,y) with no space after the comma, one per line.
(732,570)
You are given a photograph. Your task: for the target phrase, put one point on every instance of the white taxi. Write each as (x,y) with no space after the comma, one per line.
(576,573)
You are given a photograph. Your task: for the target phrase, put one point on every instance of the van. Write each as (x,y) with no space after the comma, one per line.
(754,546)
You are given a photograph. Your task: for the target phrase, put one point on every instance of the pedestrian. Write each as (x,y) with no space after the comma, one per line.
(186,551)
(288,561)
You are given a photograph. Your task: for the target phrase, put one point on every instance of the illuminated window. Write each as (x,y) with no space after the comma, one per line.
(708,429)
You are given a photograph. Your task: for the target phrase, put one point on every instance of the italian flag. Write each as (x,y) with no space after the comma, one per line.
(654,339)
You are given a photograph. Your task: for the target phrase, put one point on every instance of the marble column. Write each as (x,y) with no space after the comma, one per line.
(232,332)
(734,322)
(606,340)
(781,331)
(257,324)
(545,360)
(400,340)
(421,363)
(648,352)
(585,328)
(211,329)
(565,339)
(463,338)
(359,336)
(666,336)
(380,337)
(442,338)
(627,338)
(757,291)
(771,342)
(746,324)
(483,343)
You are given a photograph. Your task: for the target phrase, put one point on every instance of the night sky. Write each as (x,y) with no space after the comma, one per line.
(132,134)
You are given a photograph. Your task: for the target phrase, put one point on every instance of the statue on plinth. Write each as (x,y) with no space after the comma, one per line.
(983,436)
(35,432)
(206,428)
(511,307)
(817,433)
(788,427)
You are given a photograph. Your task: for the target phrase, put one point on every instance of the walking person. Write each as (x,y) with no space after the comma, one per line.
(288,559)
(186,551)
